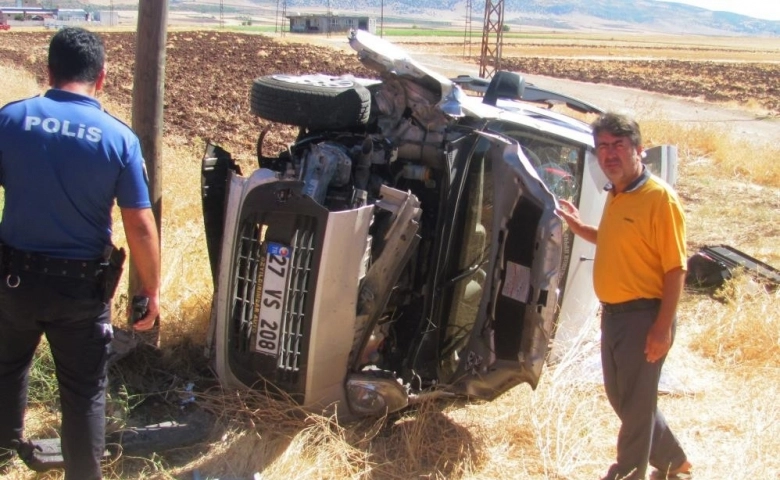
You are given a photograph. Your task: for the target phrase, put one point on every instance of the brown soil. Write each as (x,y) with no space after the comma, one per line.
(741,75)
(209,75)
(208,78)
(711,81)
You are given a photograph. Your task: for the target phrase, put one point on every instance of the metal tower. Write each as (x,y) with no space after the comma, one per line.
(221,13)
(281,17)
(492,38)
(467,32)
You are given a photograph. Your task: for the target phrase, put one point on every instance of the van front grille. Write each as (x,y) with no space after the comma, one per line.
(248,261)
(294,315)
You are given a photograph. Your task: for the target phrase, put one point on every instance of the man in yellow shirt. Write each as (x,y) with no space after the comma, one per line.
(638,275)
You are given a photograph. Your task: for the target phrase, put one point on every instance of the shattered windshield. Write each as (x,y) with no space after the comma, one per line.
(558,162)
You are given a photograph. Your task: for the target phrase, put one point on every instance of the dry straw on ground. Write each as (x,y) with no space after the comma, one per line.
(726,361)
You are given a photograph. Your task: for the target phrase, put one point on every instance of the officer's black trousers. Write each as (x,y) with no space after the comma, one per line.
(77,325)
(631,384)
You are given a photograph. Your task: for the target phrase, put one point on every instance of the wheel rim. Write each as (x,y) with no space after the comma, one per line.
(316,80)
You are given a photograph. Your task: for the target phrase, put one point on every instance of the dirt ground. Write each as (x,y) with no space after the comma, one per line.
(209,75)
(742,73)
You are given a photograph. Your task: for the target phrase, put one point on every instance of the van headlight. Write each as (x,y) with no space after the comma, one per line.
(374,396)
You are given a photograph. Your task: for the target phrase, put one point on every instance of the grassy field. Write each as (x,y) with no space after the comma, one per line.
(726,358)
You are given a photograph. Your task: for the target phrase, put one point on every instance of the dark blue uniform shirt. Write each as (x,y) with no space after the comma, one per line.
(63,161)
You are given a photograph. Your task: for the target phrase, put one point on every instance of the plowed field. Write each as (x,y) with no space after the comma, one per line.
(208,78)
(754,83)
(209,74)
(742,74)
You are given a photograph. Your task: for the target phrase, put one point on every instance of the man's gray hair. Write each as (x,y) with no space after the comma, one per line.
(617,125)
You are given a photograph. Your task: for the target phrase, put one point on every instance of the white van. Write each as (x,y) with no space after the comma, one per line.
(406,245)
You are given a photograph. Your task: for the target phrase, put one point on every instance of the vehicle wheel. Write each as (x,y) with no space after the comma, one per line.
(315,102)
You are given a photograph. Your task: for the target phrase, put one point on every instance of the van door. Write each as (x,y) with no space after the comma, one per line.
(662,162)
(515,317)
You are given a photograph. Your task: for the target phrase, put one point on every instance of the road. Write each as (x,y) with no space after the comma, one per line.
(738,122)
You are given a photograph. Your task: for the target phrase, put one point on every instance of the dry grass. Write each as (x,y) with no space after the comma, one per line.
(17,84)
(736,158)
(726,359)
(746,326)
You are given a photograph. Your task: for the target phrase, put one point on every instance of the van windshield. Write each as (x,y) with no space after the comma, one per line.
(559,162)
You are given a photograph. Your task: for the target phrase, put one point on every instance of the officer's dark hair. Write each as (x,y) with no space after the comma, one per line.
(619,126)
(76,55)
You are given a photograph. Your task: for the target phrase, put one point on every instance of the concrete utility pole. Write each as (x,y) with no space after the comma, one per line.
(490,60)
(328,20)
(276,17)
(148,91)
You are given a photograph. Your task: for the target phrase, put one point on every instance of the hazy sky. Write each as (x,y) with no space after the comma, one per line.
(766,9)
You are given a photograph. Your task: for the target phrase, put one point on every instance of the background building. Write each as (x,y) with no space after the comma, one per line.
(324,23)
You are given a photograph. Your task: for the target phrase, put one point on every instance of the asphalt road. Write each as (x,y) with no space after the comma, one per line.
(738,122)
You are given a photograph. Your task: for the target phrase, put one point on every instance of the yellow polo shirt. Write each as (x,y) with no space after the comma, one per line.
(641,237)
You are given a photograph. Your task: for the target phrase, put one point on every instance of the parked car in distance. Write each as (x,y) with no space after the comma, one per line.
(406,244)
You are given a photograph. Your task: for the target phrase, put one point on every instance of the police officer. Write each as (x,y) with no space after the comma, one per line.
(63,162)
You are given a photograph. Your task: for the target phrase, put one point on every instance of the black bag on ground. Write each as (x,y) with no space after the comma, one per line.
(705,271)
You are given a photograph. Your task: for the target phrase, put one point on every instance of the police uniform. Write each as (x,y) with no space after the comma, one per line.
(641,237)
(63,162)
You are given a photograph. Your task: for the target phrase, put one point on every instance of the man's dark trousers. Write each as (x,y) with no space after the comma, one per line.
(631,384)
(77,325)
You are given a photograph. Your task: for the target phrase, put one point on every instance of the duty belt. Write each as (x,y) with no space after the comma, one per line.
(14,262)
(631,305)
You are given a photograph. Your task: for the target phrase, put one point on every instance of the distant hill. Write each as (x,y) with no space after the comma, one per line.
(596,15)
(641,15)
(627,16)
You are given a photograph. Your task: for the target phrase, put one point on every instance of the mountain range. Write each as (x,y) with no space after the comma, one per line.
(626,16)
(596,15)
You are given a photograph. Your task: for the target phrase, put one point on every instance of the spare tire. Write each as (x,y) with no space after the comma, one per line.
(316,102)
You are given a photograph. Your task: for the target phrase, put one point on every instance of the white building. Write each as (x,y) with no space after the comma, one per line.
(324,23)
(72,14)
(108,18)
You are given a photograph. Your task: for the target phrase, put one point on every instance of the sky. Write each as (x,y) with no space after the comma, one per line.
(766,9)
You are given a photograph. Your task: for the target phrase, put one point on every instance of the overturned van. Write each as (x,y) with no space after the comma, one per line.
(406,244)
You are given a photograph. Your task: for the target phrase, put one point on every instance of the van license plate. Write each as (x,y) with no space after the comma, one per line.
(269,321)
